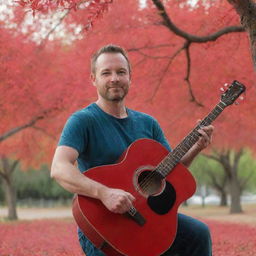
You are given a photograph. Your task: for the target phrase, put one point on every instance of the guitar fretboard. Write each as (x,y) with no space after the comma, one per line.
(174,157)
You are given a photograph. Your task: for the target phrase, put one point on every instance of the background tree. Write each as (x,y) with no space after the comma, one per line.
(28,105)
(217,173)
(51,75)
(210,174)
(6,171)
(247,12)
(230,162)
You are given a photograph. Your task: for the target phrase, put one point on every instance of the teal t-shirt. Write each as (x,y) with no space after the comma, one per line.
(100,138)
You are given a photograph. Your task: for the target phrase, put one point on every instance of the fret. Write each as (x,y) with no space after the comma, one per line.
(215,113)
(221,109)
(222,104)
(227,98)
(211,117)
(174,157)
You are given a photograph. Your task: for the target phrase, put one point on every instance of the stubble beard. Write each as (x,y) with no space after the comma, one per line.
(110,96)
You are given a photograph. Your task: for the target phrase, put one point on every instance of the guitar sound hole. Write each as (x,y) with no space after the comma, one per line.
(150,182)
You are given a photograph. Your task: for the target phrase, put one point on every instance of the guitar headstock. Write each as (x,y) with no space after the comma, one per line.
(232,93)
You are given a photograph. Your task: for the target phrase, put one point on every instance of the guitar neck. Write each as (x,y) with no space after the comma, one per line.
(174,157)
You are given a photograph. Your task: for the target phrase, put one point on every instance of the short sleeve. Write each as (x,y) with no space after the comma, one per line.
(159,136)
(74,134)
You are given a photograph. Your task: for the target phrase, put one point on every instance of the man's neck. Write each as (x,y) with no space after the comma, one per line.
(114,108)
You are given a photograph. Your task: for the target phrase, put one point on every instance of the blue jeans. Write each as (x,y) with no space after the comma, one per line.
(193,239)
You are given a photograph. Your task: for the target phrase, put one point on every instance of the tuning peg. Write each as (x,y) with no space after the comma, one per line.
(226,84)
(222,89)
(241,98)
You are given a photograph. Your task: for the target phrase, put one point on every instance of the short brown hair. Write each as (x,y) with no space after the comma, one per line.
(110,48)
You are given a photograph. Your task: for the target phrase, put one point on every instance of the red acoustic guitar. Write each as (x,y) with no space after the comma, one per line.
(159,183)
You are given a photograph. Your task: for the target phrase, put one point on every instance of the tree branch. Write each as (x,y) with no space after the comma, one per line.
(190,37)
(214,180)
(245,180)
(184,47)
(223,159)
(211,157)
(45,132)
(20,128)
(165,71)
(43,42)
(187,78)
(150,47)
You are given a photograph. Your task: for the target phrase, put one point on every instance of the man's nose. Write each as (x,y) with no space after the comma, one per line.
(114,77)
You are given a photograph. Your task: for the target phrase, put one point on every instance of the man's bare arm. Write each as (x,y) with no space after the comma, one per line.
(65,172)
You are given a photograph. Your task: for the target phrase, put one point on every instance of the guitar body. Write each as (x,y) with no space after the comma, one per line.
(150,227)
(157,202)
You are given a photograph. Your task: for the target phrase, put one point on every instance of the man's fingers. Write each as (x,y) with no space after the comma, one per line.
(203,133)
(118,200)
(126,203)
(131,197)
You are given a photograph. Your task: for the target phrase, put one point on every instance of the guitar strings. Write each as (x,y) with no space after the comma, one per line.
(172,158)
(147,181)
(191,139)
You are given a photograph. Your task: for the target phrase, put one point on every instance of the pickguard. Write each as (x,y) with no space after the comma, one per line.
(162,203)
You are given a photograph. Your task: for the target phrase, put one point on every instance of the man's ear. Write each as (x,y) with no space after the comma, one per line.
(92,76)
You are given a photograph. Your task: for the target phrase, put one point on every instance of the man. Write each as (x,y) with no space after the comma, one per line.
(98,135)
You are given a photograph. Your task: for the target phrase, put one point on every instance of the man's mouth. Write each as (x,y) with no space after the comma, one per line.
(114,87)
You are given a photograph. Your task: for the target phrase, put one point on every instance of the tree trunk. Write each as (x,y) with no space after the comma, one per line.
(246,9)
(10,197)
(223,199)
(220,185)
(230,163)
(6,171)
(235,194)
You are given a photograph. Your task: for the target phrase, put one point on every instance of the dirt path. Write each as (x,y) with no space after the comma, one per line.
(39,213)
(222,213)
(209,212)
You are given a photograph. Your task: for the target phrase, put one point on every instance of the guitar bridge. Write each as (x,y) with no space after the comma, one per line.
(136,216)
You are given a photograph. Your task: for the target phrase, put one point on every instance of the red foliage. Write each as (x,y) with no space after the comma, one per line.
(95,8)
(233,239)
(55,79)
(158,87)
(59,238)
(45,6)
(46,237)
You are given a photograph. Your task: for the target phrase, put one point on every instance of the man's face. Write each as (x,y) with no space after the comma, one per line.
(112,76)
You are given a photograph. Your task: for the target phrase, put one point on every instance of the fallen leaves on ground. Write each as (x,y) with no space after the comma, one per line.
(59,238)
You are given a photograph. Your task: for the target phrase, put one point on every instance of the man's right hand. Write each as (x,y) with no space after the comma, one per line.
(116,200)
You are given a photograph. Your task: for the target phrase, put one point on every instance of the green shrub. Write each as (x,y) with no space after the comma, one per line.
(38,184)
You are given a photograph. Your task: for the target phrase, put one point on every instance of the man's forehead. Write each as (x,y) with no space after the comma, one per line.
(107,60)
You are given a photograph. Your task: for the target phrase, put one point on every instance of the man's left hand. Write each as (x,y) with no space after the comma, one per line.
(206,137)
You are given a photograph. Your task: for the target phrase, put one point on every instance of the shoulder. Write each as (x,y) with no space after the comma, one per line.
(83,115)
(86,112)
(143,117)
(75,131)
